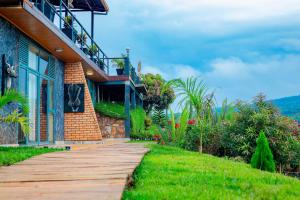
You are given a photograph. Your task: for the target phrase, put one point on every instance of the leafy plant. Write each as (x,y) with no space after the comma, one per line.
(93,49)
(81,38)
(15,117)
(263,157)
(159,117)
(148,122)
(119,62)
(181,131)
(109,109)
(193,94)
(68,21)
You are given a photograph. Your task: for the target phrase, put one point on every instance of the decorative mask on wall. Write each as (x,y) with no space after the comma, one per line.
(74,98)
(9,72)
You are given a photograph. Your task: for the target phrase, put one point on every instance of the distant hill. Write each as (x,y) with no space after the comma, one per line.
(289,106)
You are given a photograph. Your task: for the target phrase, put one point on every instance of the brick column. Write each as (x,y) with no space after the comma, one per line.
(81,126)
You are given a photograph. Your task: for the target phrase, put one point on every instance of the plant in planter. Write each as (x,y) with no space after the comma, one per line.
(68,28)
(119,64)
(93,50)
(81,40)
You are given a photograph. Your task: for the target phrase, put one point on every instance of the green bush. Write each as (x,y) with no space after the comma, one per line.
(263,157)
(191,139)
(113,110)
(239,137)
(152,133)
(159,117)
(137,117)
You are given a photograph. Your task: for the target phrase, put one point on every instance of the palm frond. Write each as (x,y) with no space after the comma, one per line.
(14,96)
(16,117)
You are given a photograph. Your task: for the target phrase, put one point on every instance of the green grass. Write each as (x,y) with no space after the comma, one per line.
(113,110)
(172,173)
(11,155)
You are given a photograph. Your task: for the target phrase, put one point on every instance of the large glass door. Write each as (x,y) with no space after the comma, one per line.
(39,89)
(33,108)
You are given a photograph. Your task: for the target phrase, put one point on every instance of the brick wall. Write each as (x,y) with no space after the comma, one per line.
(80,126)
(111,127)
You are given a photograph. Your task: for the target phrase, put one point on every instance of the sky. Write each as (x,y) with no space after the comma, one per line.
(240,48)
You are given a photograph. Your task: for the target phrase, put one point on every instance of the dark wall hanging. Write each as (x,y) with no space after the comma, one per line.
(74,98)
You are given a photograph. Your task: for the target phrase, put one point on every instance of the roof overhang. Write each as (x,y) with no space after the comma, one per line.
(88,5)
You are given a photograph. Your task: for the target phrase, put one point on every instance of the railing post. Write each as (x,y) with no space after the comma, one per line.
(43,6)
(60,13)
(127,109)
(127,66)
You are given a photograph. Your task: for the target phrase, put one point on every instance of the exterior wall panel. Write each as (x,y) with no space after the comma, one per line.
(11,45)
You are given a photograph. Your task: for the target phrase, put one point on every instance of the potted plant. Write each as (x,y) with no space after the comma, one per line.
(68,28)
(93,50)
(81,40)
(120,65)
(101,65)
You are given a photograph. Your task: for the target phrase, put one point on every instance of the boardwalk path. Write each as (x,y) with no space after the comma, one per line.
(88,172)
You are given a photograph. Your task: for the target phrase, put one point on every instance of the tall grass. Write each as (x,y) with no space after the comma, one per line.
(137,117)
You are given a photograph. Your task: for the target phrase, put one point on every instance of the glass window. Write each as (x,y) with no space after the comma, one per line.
(43,65)
(33,107)
(33,58)
(22,80)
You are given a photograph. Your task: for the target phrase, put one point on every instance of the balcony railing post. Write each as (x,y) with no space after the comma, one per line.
(127,66)
(43,6)
(60,14)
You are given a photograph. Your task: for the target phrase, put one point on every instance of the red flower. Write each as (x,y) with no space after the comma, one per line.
(177,125)
(192,122)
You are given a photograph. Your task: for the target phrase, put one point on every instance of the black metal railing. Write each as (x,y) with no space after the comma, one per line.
(65,20)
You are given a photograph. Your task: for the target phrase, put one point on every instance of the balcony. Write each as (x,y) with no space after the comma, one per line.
(66,21)
(53,25)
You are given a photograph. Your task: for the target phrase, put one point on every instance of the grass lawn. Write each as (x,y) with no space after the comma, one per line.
(11,155)
(173,173)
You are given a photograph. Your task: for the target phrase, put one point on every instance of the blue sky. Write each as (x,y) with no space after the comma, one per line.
(240,48)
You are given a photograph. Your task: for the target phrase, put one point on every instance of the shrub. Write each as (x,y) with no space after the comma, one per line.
(148,122)
(191,139)
(239,137)
(263,157)
(159,117)
(113,110)
(137,117)
(153,133)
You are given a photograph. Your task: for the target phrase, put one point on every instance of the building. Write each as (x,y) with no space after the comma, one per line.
(61,70)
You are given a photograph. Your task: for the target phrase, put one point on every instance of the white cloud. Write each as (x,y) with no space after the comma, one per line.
(172,71)
(214,17)
(233,78)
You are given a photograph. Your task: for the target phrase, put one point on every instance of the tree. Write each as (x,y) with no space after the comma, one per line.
(263,157)
(194,95)
(160,94)
(15,116)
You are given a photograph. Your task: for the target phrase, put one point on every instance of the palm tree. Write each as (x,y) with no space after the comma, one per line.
(193,93)
(15,116)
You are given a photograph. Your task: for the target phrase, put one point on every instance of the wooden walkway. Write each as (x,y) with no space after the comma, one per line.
(89,172)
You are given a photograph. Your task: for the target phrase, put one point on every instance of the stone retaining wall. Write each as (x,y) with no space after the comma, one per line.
(111,127)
